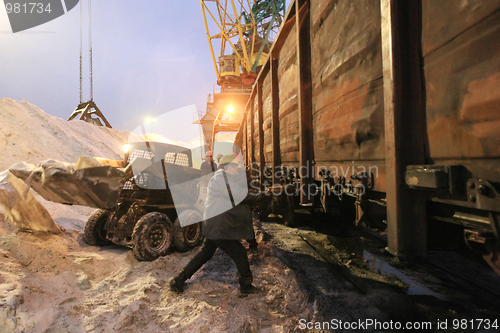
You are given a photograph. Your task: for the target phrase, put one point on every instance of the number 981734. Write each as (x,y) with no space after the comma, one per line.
(27,8)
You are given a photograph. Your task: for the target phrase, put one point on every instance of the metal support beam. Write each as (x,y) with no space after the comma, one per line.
(404,112)
(304,95)
(251,156)
(262,160)
(244,140)
(275,120)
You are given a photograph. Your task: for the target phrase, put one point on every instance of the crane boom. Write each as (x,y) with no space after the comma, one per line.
(245,30)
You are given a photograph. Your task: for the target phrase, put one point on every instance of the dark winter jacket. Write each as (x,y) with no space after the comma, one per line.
(207,168)
(221,219)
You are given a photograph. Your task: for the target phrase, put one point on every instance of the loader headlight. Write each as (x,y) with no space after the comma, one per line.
(126,148)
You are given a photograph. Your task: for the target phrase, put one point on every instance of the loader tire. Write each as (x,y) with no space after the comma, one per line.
(94,233)
(188,237)
(152,236)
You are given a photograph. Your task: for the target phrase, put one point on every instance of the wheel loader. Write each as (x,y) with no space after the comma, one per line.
(135,201)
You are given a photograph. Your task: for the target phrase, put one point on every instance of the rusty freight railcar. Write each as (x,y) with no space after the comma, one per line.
(388,109)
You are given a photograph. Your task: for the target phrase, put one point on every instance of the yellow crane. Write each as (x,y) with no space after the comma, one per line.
(233,27)
(241,30)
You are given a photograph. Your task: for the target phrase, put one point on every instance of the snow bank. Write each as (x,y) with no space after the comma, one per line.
(29,134)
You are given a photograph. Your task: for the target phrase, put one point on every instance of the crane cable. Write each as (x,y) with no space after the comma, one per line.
(90,52)
(81,47)
(90,47)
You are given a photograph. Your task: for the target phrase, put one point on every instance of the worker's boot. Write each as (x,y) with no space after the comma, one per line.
(177,283)
(246,287)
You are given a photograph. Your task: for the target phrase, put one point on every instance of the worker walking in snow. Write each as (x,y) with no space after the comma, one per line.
(224,225)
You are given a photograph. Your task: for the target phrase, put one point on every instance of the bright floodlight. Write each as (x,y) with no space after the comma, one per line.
(126,148)
(151,120)
(230,109)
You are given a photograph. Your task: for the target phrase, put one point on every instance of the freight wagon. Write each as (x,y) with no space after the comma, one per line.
(387,111)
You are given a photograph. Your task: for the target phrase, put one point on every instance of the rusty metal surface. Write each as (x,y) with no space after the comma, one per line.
(442,21)
(250,136)
(275,121)
(463,100)
(248,132)
(238,140)
(256,127)
(347,82)
(244,141)
(461,46)
(260,129)
(404,125)
(304,96)
(267,118)
(346,78)
(288,111)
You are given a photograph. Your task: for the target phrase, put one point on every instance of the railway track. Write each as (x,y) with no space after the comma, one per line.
(339,269)
(362,281)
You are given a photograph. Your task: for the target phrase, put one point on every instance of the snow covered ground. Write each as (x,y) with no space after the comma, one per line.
(57,283)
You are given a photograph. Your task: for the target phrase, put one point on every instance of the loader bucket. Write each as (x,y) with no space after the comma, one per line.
(97,187)
(21,207)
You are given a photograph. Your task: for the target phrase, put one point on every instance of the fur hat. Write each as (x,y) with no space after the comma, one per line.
(227,159)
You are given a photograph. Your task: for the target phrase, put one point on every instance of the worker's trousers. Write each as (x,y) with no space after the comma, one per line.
(233,248)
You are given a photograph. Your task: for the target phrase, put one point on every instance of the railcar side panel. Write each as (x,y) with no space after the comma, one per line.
(288,109)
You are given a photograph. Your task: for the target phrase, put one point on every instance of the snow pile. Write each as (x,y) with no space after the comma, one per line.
(29,134)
